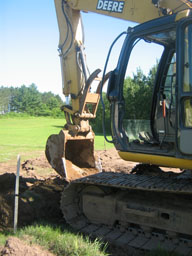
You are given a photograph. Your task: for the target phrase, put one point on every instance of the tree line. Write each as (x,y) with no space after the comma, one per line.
(30,101)
(137,94)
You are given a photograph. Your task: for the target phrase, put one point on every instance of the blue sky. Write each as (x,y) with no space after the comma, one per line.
(29,40)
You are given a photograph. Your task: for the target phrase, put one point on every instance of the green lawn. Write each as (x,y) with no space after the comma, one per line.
(28,136)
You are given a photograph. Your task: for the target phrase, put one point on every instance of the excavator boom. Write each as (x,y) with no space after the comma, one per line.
(136,11)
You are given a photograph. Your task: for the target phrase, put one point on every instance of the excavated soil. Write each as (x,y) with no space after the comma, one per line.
(39,197)
(16,247)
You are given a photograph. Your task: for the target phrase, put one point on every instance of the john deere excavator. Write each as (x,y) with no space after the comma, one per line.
(135,210)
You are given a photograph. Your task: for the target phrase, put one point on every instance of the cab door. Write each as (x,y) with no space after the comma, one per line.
(184,95)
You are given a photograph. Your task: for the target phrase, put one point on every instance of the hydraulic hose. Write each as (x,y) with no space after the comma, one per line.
(102,84)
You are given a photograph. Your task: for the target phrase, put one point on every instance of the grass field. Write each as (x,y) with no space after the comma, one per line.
(27,136)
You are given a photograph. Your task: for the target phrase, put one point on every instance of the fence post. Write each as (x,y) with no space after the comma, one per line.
(16,195)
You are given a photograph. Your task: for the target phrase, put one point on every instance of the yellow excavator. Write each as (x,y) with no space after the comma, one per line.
(135,210)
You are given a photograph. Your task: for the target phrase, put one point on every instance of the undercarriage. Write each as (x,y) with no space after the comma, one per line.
(134,211)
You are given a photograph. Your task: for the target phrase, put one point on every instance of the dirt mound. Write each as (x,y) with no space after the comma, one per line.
(17,247)
(111,161)
(37,201)
(37,168)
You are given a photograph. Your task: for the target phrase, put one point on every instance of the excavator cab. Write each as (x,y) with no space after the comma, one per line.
(161,133)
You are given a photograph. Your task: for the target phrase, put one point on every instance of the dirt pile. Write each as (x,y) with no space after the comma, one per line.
(111,162)
(37,201)
(17,247)
(36,168)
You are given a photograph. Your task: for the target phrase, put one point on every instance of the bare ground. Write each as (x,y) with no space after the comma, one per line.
(16,247)
(39,198)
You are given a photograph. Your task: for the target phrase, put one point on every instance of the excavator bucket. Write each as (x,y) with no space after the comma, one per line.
(72,157)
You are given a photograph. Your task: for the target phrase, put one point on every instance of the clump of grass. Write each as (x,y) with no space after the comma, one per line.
(3,237)
(62,242)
